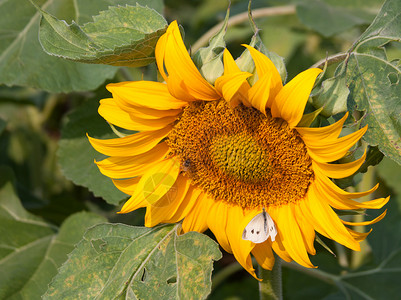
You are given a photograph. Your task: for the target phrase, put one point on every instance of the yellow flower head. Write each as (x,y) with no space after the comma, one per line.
(218,156)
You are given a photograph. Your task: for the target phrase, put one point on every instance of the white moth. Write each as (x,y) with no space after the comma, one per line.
(260,228)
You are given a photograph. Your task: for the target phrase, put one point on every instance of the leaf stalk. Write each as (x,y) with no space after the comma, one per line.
(242,17)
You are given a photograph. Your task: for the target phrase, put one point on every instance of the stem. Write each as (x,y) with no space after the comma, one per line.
(270,288)
(330,60)
(240,18)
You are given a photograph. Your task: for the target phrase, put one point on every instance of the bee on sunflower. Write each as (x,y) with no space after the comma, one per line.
(230,157)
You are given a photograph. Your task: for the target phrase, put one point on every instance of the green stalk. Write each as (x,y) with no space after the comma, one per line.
(270,288)
(243,17)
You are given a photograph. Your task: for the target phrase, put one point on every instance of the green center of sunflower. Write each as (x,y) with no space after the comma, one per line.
(241,156)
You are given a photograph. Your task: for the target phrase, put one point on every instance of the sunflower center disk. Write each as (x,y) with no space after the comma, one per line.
(241,156)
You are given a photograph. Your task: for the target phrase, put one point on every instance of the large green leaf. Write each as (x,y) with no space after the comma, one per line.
(119,36)
(30,249)
(371,83)
(374,81)
(22,59)
(329,17)
(76,155)
(375,94)
(124,262)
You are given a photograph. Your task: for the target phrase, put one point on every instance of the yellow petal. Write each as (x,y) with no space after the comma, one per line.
(330,185)
(340,201)
(329,150)
(120,167)
(375,220)
(172,54)
(134,203)
(196,219)
(231,67)
(258,94)
(319,133)
(217,222)
(138,94)
(186,204)
(325,220)
(359,236)
(339,170)
(163,209)
(113,114)
(229,63)
(179,89)
(264,255)
(289,104)
(134,144)
(264,66)
(290,234)
(160,49)
(236,223)
(154,184)
(149,113)
(280,250)
(231,87)
(307,230)
(127,186)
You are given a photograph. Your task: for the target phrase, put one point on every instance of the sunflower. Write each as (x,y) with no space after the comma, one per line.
(217,156)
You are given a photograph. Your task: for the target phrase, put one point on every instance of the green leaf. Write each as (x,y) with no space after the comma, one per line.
(332,17)
(76,155)
(125,262)
(23,62)
(333,96)
(374,82)
(373,158)
(386,25)
(30,249)
(209,59)
(375,94)
(119,36)
(22,59)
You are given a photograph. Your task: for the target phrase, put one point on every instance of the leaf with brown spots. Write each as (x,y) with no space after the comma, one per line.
(125,262)
(374,82)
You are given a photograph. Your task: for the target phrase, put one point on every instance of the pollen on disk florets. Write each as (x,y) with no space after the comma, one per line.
(241,156)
